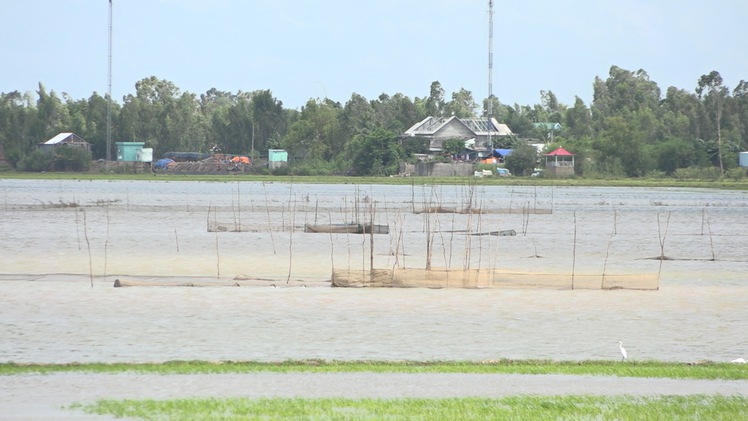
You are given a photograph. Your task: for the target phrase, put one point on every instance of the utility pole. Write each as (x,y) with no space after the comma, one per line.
(490,71)
(109,95)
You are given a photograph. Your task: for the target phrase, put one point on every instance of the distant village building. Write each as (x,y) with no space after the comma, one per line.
(550,127)
(476,133)
(129,151)
(559,163)
(277,158)
(64,139)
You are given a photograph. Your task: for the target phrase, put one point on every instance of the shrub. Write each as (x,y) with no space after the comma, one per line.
(736,174)
(72,159)
(698,173)
(36,161)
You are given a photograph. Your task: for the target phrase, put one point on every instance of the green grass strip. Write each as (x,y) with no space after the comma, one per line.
(729,184)
(510,408)
(702,370)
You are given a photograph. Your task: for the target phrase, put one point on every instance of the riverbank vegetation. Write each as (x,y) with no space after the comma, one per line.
(631,129)
(651,369)
(719,183)
(516,408)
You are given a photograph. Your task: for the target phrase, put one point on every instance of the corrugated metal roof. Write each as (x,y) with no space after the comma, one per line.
(428,126)
(479,126)
(57,139)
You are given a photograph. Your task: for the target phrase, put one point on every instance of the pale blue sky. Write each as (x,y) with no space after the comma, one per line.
(312,49)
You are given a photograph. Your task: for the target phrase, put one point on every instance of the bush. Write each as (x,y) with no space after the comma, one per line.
(72,159)
(36,161)
(698,173)
(481,167)
(736,174)
(523,159)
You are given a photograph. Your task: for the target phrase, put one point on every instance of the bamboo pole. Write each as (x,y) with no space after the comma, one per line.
(218,254)
(372,212)
(480,238)
(332,244)
(662,244)
(106,241)
(88,244)
(239,205)
(270,224)
(77,228)
(574,252)
(605,264)
(290,237)
(711,239)
(218,259)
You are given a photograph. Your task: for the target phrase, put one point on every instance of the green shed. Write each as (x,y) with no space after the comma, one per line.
(129,151)
(277,158)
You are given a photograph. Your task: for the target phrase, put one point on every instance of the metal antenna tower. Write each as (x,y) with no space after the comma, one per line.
(109,94)
(490,69)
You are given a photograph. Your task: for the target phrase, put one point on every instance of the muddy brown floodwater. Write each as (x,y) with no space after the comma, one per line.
(58,238)
(63,243)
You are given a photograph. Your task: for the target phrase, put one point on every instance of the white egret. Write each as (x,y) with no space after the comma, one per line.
(623,351)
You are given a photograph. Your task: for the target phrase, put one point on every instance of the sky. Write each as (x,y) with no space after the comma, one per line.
(314,49)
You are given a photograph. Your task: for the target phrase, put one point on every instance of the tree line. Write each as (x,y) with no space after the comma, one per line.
(629,129)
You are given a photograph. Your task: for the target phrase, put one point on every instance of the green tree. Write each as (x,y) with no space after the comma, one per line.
(523,158)
(518,118)
(268,120)
(317,132)
(146,115)
(623,94)
(395,113)
(578,122)
(673,154)
(70,158)
(713,93)
(740,97)
(375,154)
(680,115)
(51,116)
(95,115)
(453,147)
(356,116)
(498,111)
(462,104)
(435,102)
(16,118)
(620,144)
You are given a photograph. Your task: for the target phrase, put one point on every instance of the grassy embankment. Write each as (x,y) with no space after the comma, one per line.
(514,408)
(488,181)
(651,369)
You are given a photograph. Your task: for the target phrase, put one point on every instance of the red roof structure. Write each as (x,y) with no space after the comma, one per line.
(560,152)
(561,163)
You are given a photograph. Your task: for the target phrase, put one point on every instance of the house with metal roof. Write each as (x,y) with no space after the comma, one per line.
(479,133)
(64,139)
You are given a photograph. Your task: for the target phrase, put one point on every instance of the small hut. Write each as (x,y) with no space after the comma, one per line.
(64,139)
(130,151)
(277,158)
(559,163)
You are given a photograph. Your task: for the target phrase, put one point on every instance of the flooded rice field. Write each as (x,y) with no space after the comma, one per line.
(64,243)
